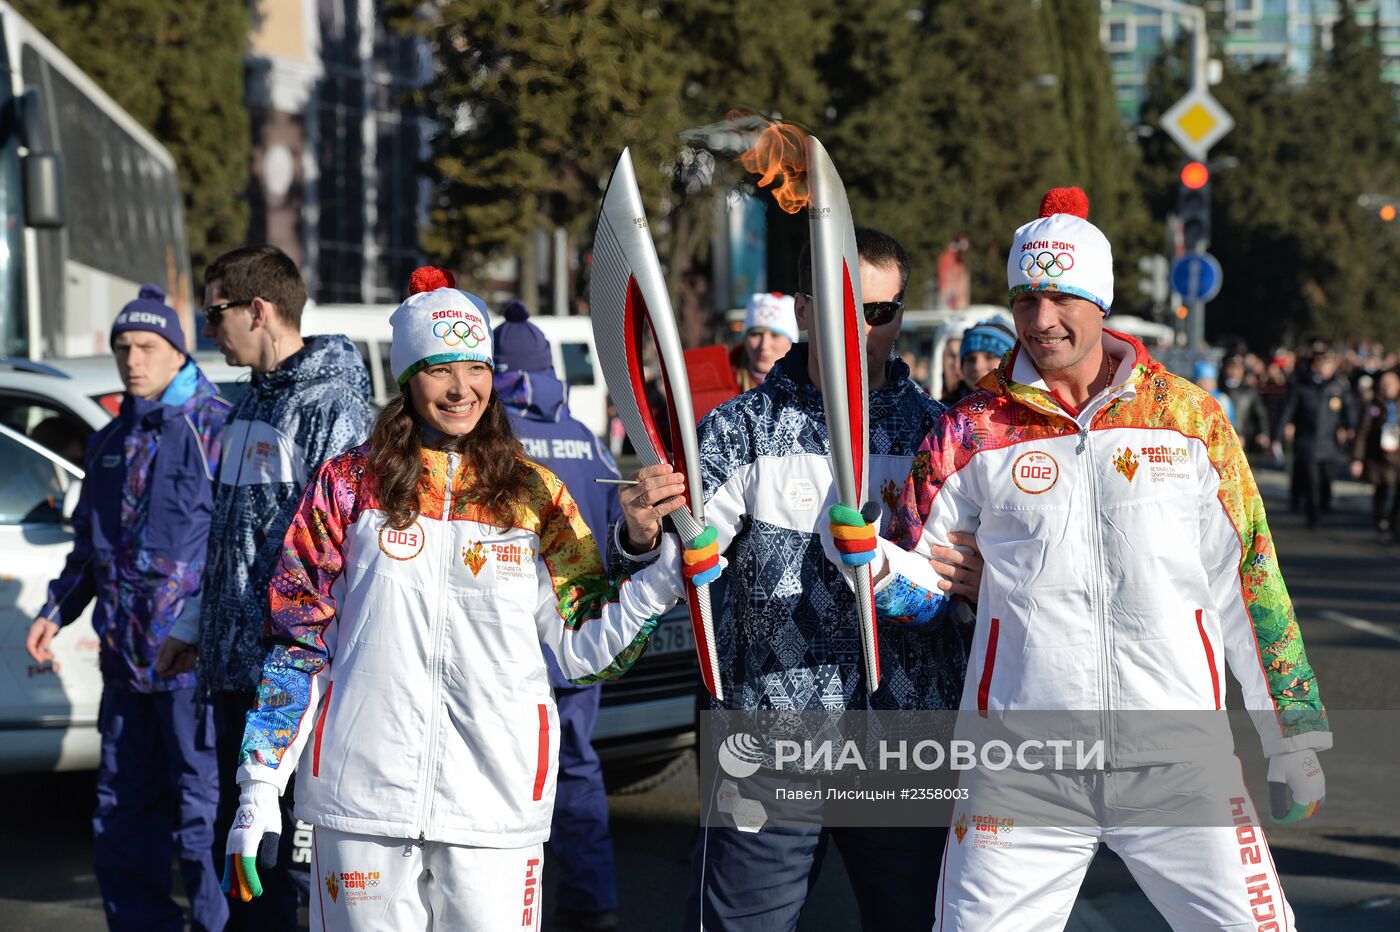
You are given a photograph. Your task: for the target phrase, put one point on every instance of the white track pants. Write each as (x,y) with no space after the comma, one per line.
(364,882)
(1000,874)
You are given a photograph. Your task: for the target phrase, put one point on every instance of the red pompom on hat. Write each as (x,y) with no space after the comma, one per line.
(430,278)
(1065,201)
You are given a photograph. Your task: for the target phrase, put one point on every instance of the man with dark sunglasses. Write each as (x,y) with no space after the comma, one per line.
(785,623)
(308,400)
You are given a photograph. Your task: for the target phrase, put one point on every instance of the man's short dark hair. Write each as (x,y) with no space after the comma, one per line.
(873,246)
(260,272)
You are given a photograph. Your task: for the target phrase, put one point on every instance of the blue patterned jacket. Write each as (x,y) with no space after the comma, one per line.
(140,529)
(784,616)
(293,419)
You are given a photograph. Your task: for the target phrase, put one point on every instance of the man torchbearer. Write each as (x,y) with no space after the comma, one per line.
(1128,561)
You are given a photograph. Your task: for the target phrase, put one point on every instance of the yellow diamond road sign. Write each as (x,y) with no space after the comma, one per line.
(1196,122)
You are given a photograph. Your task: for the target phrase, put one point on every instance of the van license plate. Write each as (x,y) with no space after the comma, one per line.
(672,636)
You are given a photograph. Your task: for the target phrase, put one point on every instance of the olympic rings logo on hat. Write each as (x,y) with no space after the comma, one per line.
(1051,264)
(459,333)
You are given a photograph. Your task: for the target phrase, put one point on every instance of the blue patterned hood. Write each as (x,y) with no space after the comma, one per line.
(292,419)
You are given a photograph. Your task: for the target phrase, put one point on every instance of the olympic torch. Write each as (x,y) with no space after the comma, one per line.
(838,338)
(629,302)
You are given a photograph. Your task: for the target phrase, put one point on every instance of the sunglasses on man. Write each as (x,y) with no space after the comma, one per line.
(214,313)
(877,313)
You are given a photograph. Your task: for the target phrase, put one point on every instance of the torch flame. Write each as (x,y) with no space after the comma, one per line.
(778,155)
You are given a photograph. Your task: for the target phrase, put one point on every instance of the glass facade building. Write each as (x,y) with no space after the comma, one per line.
(1243,32)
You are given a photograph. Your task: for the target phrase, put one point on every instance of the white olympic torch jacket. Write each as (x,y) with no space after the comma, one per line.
(406,681)
(1128,560)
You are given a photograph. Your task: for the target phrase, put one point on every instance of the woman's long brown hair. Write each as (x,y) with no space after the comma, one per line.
(491,453)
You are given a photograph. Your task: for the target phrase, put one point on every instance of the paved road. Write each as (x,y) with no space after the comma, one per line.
(1341,869)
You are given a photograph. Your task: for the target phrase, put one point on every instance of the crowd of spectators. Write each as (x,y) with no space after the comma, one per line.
(1326,410)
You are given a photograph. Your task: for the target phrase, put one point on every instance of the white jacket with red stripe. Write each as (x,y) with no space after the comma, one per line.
(406,676)
(1128,561)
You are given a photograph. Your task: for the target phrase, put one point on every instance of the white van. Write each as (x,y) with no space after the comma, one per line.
(575,357)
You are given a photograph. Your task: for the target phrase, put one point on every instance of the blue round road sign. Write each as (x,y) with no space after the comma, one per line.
(1197,277)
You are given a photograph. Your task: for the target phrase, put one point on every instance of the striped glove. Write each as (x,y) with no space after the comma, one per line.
(256,827)
(700,562)
(854,537)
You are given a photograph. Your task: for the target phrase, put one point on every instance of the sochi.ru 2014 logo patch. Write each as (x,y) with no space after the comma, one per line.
(332,887)
(474,557)
(1035,472)
(401,544)
(1126,462)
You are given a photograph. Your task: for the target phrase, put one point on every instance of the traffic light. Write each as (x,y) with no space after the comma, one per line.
(1387,212)
(1153,279)
(1193,205)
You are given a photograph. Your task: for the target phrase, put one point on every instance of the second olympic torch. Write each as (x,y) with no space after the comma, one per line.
(838,338)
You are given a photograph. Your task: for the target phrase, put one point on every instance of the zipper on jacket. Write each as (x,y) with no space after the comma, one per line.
(1082,425)
(435,658)
(1097,581)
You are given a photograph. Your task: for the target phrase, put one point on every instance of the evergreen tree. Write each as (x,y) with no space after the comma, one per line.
(887,77)
(934,135)
(1350,286)
(1301,253)
(1095,146)
(535,102)
(177,68)
(753,57)
(997,129)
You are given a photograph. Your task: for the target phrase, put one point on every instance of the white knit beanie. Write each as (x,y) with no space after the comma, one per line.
(1062,251)
(773,310)
(438,324)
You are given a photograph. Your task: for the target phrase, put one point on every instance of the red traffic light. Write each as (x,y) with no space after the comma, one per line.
(1195,175)
(1387,212)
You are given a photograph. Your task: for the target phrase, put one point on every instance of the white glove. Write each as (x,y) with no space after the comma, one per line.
(1301,775)
(256,826)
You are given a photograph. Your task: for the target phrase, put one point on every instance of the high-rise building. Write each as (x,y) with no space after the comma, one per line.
(1253,30)
(337,178)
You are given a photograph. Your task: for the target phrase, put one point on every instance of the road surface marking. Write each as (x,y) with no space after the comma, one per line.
(1361,624)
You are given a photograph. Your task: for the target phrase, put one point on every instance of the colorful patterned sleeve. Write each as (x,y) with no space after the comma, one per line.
(910,590)
(1262,642)
(596,629)
(302,624)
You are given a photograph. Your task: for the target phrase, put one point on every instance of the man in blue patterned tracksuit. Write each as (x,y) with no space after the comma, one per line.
(308,401)
(140,529)
(537,403)
(786,629)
